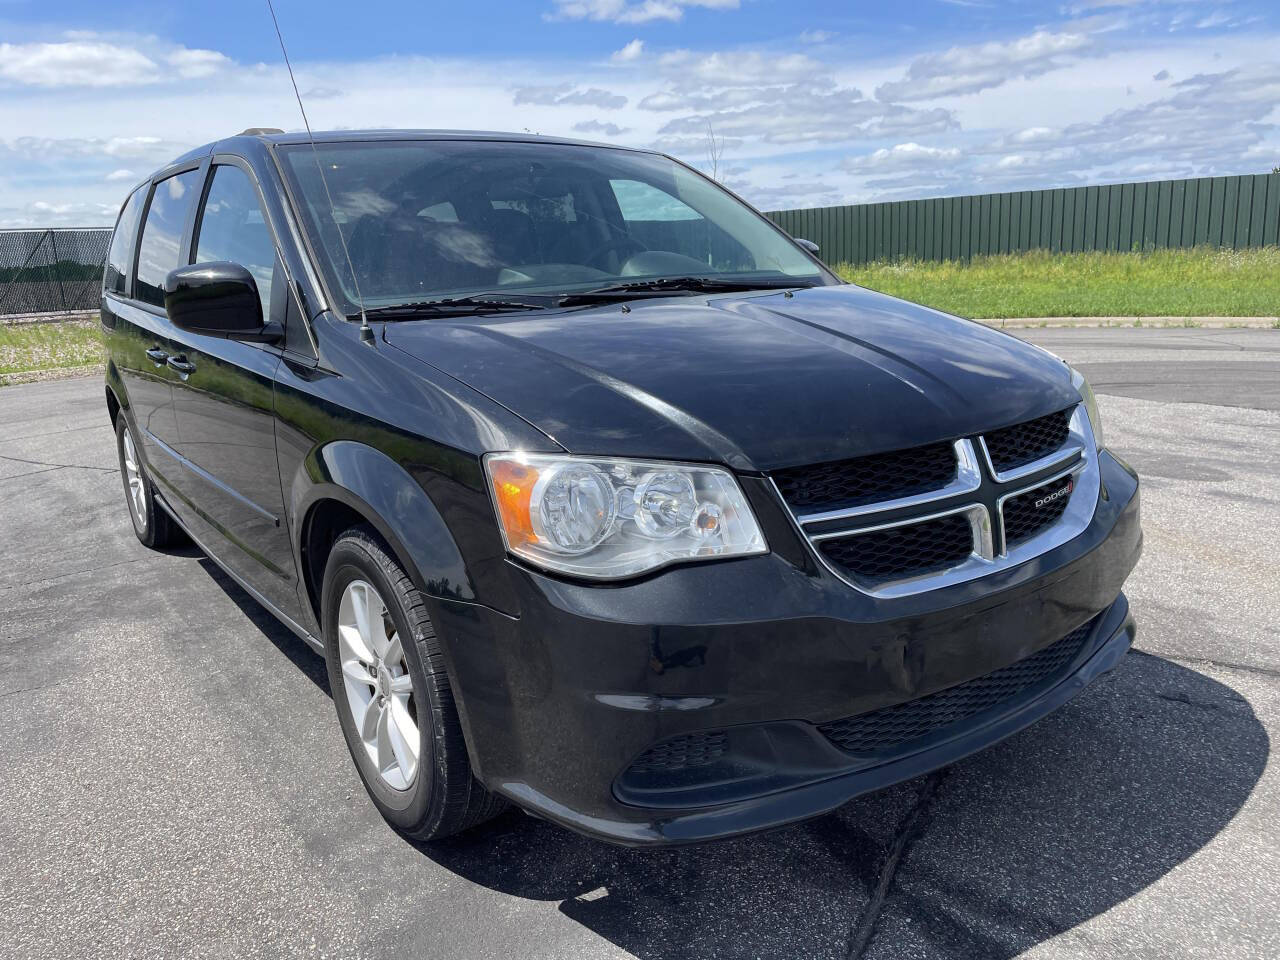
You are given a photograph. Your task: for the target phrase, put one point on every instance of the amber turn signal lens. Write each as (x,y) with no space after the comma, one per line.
(512,489)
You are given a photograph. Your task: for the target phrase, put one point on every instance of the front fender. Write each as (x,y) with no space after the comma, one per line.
(383,492)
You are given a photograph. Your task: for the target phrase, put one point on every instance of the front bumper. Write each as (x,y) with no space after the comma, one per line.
(557,703)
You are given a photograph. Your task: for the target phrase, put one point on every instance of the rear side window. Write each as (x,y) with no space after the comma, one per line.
(232,227)
(120,256)
(161,246)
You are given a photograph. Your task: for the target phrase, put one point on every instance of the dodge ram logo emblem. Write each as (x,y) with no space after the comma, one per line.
(1063,491)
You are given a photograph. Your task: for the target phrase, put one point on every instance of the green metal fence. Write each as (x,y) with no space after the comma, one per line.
(51,271)
(1241,211)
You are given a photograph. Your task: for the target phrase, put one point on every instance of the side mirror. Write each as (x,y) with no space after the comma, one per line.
(217,299)
(808,245)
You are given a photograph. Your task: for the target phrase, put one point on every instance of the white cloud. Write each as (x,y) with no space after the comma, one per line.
(622,11)
(630,52)
(76,63)
(964,70)
(593,97)
(1216,19)
(88,62)
(1207,126)
(903,156)
(564,94)
(692,146)
(816,36)
(193,64)
(597,126)
(774,99)
(121,174)
(54,149)
(736,67)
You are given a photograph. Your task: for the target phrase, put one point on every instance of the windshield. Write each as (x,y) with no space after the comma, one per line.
(434,219)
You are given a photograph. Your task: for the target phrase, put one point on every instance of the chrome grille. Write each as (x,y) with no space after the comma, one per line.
(911,520)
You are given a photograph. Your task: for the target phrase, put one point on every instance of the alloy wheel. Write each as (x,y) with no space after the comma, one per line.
(377,684)
(136,483)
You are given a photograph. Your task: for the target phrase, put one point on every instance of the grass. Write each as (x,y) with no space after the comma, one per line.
(1197,282)
(29,347)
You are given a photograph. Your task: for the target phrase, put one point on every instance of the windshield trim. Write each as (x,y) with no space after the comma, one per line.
(823,275)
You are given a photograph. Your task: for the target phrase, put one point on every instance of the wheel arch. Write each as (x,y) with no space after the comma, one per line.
(117,399)
(349,483)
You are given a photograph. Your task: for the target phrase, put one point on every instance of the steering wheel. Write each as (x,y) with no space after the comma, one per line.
(616,245)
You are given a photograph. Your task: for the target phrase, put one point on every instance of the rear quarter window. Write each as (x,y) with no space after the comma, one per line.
(115,278)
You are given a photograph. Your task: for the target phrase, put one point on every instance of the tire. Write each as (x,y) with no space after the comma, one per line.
(153,526)
(379,691)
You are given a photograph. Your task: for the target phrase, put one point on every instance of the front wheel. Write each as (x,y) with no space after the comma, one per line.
(392,694)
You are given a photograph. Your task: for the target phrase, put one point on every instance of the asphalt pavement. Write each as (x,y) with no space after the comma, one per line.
(175,783)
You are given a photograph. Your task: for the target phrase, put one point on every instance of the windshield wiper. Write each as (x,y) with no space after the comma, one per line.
(451,307)
(662,286)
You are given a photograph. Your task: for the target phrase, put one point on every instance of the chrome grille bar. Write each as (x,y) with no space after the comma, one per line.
(1077,458)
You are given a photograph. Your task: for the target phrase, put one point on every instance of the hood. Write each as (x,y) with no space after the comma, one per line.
(756,381)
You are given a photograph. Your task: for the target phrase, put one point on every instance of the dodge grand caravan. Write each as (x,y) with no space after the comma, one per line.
(599,494)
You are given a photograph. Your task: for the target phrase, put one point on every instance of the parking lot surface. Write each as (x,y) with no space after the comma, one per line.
(175,783)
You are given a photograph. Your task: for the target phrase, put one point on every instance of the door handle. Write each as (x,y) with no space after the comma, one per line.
(181,364)
(157,356)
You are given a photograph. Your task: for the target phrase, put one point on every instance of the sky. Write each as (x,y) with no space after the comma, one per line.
(811,103)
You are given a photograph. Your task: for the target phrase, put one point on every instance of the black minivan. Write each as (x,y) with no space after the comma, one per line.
(599,494)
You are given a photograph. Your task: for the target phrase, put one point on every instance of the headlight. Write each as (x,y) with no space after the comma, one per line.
(607,518)
(1090,404)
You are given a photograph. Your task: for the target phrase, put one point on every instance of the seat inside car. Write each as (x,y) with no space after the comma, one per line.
(410,254)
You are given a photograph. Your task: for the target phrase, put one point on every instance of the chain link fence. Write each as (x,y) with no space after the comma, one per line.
(51,271)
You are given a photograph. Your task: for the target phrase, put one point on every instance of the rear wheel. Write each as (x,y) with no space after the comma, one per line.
(392,694)
(154,527)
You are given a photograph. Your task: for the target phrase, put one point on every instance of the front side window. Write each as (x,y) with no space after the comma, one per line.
(161,247)
(232,227)
(120,256)
(434,219)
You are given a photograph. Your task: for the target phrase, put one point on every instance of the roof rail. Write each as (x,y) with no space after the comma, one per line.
(258,131)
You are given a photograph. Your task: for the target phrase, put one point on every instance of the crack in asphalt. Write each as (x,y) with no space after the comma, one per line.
(51,433)
(29,473)
(1269,672)
(71,573)
(39,686)
(909,830)
(68,466)
(1185,700)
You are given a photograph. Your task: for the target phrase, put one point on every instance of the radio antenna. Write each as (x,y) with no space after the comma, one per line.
(366,332)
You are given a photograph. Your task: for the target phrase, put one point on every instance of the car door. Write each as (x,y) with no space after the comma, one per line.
(224,400)
(133,313)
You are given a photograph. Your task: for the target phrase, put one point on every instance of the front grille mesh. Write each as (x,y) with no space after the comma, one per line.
(852,483)
(680,753)
(908,550)
(1024,443)
(884,730)
(1023,519)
